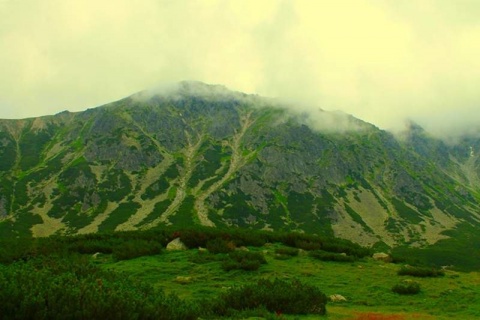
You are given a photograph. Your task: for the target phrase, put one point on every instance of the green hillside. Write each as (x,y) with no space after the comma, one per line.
(208,156)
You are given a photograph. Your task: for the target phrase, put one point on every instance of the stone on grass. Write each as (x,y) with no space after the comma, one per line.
(381,256)
(176,244)
(183,279)
(337,298)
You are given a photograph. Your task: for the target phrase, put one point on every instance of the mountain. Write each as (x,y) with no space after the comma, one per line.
(201,154)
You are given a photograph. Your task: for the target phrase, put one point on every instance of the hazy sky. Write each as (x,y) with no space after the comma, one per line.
(380,60)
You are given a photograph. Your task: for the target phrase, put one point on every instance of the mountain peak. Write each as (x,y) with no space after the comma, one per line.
(184,89)
(413,127)
(191,152)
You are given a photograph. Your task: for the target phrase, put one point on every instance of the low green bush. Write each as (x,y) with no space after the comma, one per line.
(279,296)
(92,246)
(420,272)
(246,237)
(314,242)
(194,238)
(15,249)
(287,251)
(243,260)
(136,248)
(73,288)
(330,256)
(406,288)
(203,257)
(219,245)
(307,245)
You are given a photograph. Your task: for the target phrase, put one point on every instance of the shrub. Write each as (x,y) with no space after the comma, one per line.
(397,259)
(243,260)
(92,246)
(194,238)
(75,289)
(202,257)
(307,245)
(136,248)
(220,246)
(292,252)
(289,297)
(420,272)
(243,237)
(12,250)
(313,242)
(329,256)
(406,288)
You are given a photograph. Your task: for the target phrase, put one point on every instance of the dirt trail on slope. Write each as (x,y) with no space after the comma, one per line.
(49,226)
(190,153)
(93,227)
(147,206)
(237,161)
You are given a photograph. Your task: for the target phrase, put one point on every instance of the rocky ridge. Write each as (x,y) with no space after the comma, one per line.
(203,154)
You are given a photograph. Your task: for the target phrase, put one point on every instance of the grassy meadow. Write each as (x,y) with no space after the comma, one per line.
(223,274)
(366,284)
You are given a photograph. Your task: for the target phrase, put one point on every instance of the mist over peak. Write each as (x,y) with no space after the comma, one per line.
(304,113)
(380,61)
(182,89)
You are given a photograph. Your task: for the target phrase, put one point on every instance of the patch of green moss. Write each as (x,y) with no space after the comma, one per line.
(300,206)
(157,211)
(31,146)
(406,212)
(357,218)
(8,152)
(206,168)
(184,215)
(156,188)
(116,186)
(119,216)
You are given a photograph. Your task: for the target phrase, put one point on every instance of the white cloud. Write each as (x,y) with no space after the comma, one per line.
(380,60)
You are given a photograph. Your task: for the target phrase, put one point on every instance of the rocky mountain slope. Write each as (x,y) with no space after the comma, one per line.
(203,154)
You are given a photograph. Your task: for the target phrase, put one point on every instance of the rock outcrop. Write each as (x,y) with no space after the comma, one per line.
(176,244)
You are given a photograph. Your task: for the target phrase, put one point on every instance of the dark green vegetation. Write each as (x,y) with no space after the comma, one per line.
(410,287)
(74,288)
(420,272)
(207,156)
(130,275)
(460,251)
(57,277)
(276,296)
(241,260)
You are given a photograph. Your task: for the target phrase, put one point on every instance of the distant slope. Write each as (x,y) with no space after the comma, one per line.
(206,155)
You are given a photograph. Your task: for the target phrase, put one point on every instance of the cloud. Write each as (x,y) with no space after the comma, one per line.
(379,60)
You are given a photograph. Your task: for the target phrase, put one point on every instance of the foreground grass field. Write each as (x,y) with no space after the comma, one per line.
(366,284)
(222,274)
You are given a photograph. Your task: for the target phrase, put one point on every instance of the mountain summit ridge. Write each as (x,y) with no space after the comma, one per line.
(198,153)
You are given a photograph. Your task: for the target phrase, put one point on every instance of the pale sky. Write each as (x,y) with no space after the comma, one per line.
(380,60)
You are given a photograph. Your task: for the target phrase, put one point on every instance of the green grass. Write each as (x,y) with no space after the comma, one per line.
(366,284)
(197,275)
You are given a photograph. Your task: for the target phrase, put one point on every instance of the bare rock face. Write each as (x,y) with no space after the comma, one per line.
(176,244)
(381,256)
